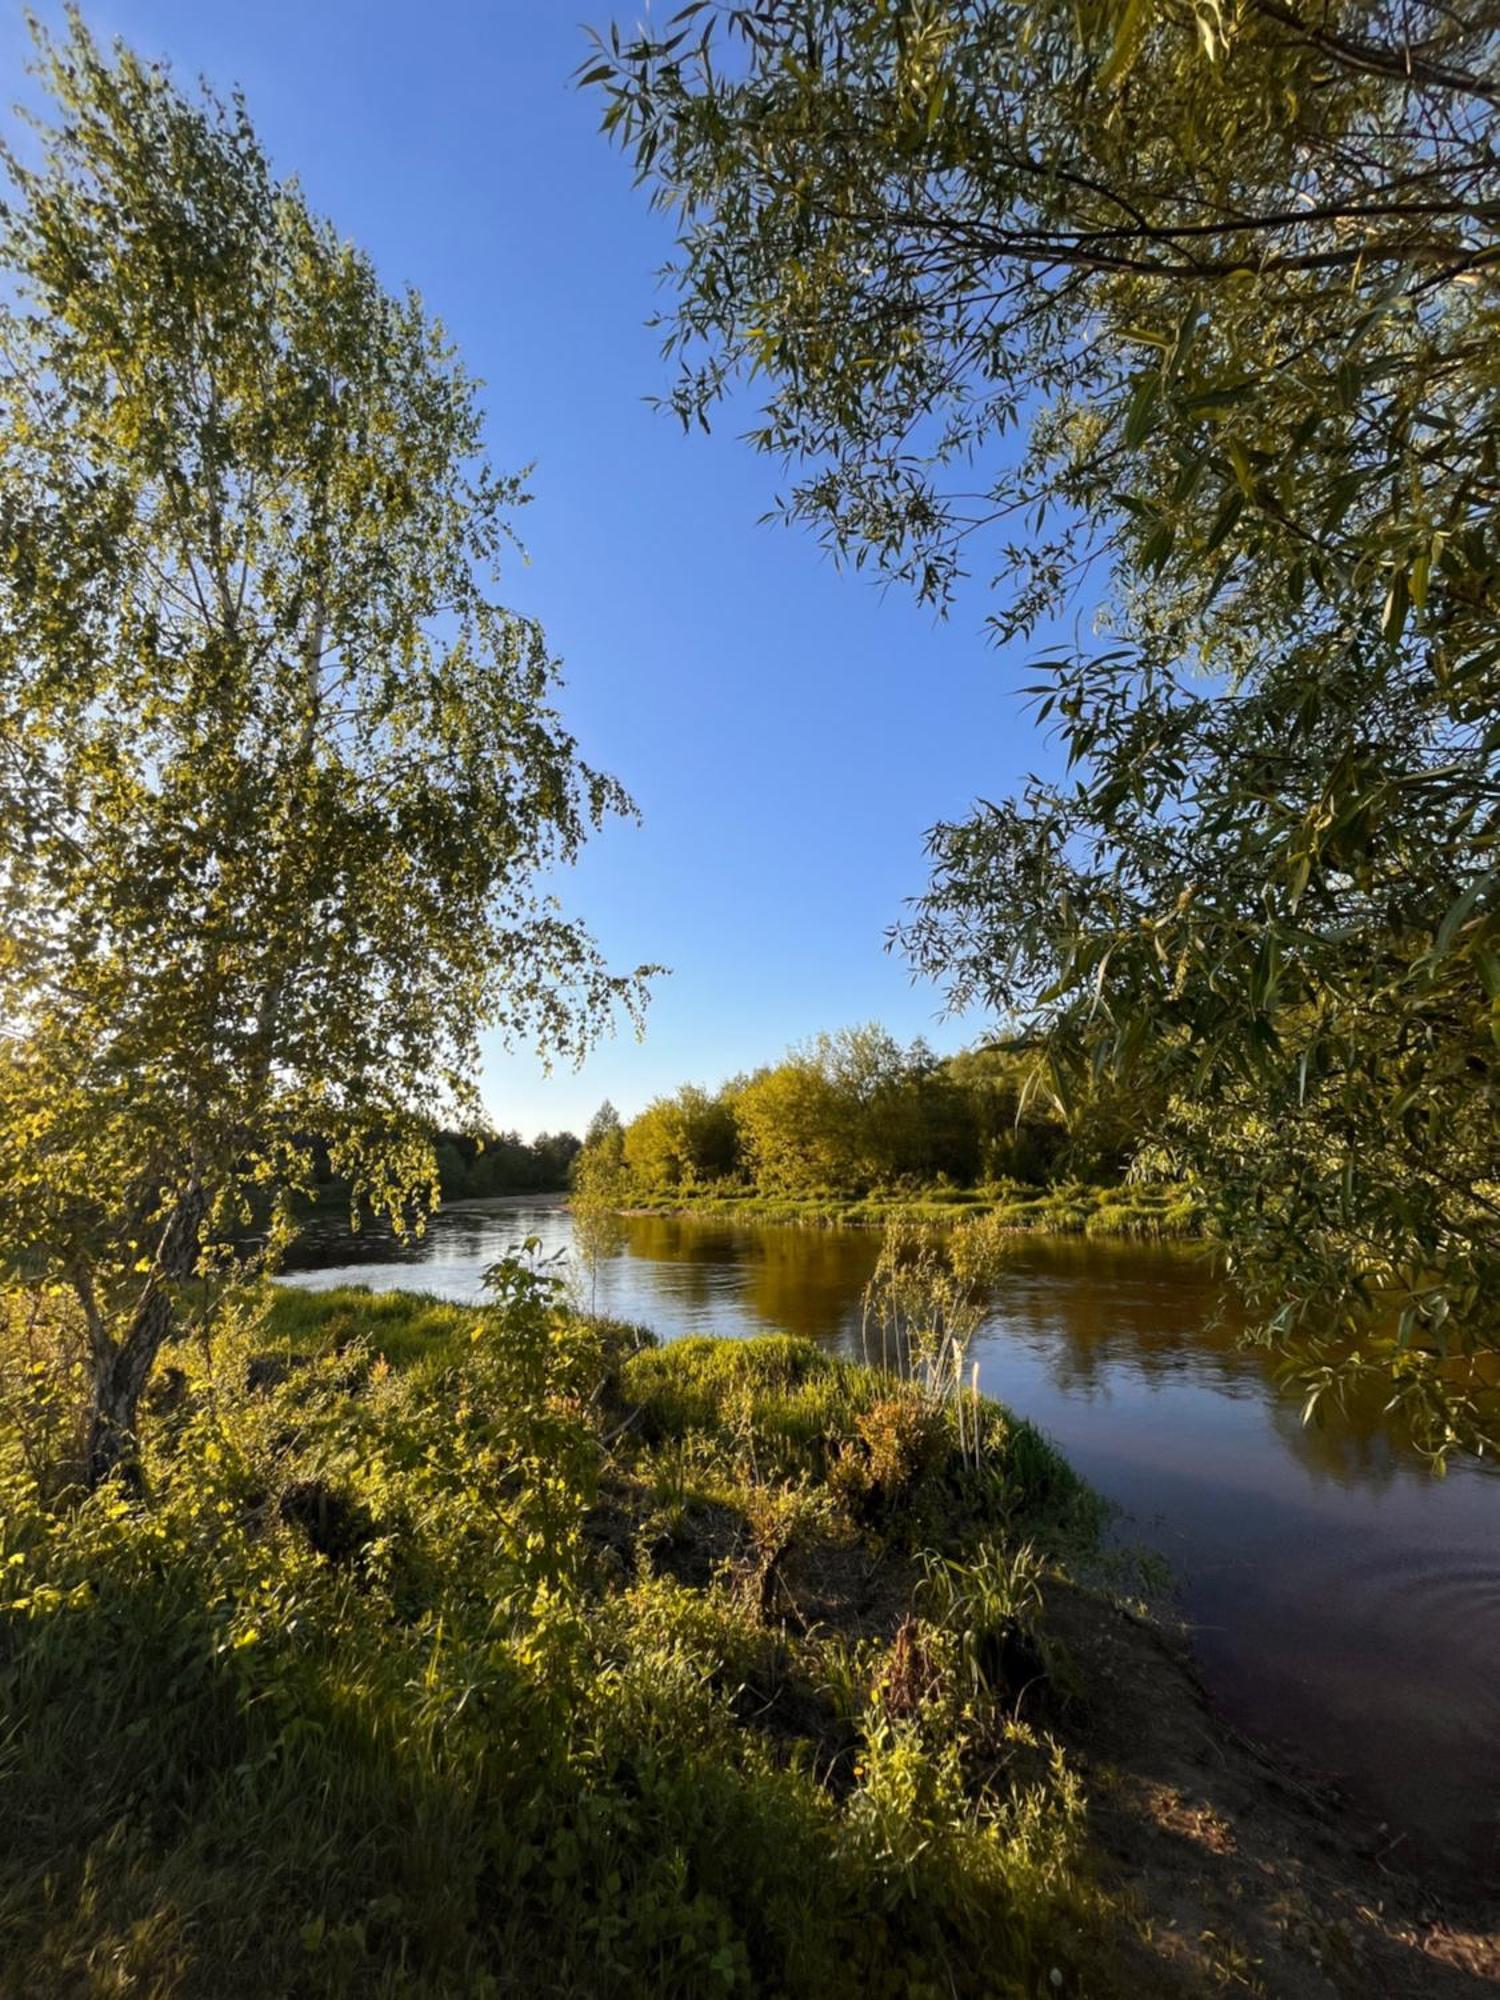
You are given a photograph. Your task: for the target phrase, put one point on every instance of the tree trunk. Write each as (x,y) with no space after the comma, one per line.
(118,1382)
(121,1372)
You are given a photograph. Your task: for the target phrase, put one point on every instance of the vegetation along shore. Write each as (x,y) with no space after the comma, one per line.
(854,1128)
(510,1652)
(1148,1214)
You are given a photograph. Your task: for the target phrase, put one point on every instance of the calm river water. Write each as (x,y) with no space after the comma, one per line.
(1342,1600)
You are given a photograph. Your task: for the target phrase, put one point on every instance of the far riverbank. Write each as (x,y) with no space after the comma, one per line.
(1149,1214)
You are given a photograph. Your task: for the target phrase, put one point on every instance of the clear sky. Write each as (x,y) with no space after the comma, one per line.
(787,731)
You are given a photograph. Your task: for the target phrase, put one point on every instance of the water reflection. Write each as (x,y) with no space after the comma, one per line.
(1342,1599)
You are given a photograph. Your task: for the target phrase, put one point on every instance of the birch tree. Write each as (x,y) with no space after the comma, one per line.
(279,775)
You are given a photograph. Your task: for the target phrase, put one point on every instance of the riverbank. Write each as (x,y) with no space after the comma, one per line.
(463,1652)
(1150,1214)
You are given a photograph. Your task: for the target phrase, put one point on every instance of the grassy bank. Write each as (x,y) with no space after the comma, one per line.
(1144,1214)
(508,1653)
(504,1653)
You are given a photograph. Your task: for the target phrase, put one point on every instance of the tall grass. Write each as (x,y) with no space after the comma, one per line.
(928,1296)
(504,1652)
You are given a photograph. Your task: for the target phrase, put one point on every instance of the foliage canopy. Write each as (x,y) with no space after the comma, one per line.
(854,1113)
(277,772)
(1187,312)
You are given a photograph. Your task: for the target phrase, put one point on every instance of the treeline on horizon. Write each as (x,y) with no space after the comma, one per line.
(857,1113)
(471,1166)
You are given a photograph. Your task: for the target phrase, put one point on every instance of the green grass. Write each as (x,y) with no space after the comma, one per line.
(400,1327)
(511,1653)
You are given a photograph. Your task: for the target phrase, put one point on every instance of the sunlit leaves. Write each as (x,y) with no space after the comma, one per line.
(1183,315)
(279,778)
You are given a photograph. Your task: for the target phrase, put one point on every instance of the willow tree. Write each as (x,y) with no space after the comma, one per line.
(1182,313)
(277,772)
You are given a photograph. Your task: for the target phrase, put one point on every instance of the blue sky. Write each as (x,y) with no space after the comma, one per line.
(788,732)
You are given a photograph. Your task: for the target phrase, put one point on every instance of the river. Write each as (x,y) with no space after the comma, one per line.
(1342,1600)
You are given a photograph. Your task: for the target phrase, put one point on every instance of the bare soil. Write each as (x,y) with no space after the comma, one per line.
(1244,1876)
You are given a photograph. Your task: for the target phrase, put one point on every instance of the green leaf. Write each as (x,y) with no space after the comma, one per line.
(1397,604)
(1460,910)
(1130,31)
(1157,546)
(1143,400)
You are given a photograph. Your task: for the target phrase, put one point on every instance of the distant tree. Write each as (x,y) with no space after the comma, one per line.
(1019,1128)
(455,1169)
(891,1093)
(794,1130)
(604,1127)
(553,1154)
(1190,308)
(682,1141)
(278,776)
(848,1112)
(481,1163)
(843,1112)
